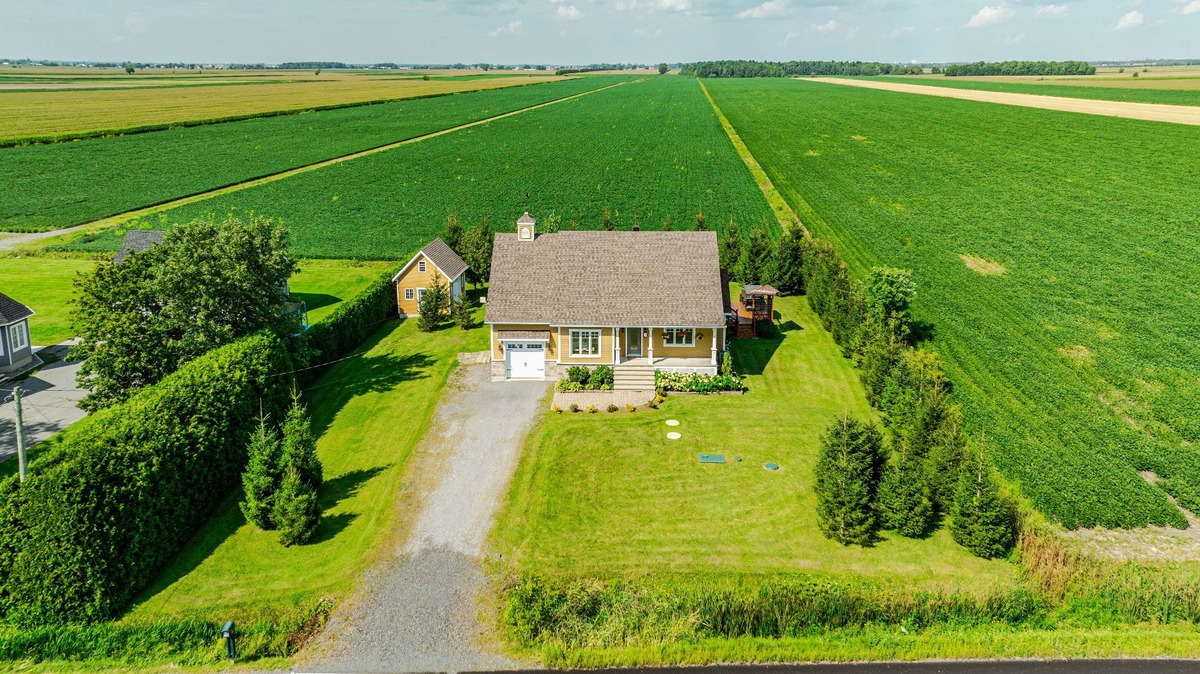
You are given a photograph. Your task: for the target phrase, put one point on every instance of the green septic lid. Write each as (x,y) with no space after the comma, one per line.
(771,466)
(737,459)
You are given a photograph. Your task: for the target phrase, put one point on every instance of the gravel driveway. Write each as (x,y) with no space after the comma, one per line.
(418,613)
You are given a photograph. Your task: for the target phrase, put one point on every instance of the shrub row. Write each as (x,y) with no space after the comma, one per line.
(541,611)
(579,378)
(695,382)
(121,493)
(346,327)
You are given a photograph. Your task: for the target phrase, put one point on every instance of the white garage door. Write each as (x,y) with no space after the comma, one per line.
(525,360)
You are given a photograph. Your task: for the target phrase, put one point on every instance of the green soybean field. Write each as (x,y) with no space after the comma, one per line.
(1058,266)
(62,184)
(647,152)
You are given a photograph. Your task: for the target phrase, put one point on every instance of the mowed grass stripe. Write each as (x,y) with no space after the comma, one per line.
(1080,359)
(86,234)
(647,151)
(63,184)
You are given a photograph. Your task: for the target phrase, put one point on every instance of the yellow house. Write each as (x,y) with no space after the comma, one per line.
(418,275)
(638,301)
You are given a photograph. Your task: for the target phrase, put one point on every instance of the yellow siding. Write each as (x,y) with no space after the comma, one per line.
(701,348)
(414,278)
(606,348)
(551,347)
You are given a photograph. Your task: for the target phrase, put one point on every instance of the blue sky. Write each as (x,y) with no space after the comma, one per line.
(584,31)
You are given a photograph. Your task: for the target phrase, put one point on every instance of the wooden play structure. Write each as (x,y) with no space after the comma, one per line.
(756,303)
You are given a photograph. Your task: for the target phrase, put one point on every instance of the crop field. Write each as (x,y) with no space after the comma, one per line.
(1186,91)
(61,184)
(1057,264)
(647,151)
(67,114)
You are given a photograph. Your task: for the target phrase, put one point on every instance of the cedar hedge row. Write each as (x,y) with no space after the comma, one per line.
(102,512)
(348,326)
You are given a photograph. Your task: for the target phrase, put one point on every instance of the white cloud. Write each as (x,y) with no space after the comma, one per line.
(1054,11)
(512,27)
(1131,20)
(1014,39)
(989,15)
(568,13)
(1191,8)
(902,31)
(766,10)
(646,32)
(675,5)
(827,27)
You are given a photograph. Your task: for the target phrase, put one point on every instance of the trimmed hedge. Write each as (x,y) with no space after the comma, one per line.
(121,493)
(347,327)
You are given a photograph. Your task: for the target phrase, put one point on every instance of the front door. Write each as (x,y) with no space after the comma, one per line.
(633,342)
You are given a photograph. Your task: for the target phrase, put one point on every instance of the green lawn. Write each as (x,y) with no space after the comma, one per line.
(369,413)
(607,495)
(45,285)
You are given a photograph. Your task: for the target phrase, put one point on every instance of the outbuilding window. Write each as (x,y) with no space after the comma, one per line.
(421,266)
(409,294)
(679,336)
(585,343)
(18,337)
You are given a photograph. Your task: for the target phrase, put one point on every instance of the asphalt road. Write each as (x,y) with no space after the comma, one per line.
(945,667)
(48,401)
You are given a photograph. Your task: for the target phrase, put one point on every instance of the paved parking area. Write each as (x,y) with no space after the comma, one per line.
(48,402)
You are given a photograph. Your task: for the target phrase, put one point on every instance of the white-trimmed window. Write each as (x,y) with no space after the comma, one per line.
(420,293)
(1,342)
(585,343)
(410,294)
(679,336)
(421,266)
(18,337)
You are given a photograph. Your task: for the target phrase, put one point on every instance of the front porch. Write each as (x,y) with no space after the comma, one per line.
(673,364)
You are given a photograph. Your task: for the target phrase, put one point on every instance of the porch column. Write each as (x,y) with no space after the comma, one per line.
(616,346)
(650,346)
(714,346)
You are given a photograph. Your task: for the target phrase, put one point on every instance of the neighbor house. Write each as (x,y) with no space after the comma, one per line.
(638,301)
(138,241)
(16,353)
(418,276)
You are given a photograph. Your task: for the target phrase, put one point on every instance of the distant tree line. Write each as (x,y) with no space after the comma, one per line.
(595,67)
(1021,68)
(740,68)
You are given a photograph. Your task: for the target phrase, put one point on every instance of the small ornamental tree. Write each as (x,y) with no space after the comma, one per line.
(296,512)
(847,473)
(730,246)
(261,479)
(981,520)
(432,307)
(904,505)
(462,312)
(453,236)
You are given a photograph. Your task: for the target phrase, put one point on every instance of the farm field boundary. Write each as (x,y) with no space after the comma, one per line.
(1120,90)
(783,211)
(16,240)
(1150,112)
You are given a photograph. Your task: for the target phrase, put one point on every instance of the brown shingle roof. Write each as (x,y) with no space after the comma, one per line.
(607,278)
(12,311)
(514,335)
(138,241)
(526,219)
(445,258)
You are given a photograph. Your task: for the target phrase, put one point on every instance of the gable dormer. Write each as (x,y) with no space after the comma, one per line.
(525,228)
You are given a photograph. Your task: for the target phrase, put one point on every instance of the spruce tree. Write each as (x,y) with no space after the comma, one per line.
(431,308)
(730,246)
(260,481)
(982,521)
(847,474)
(296,511)
(904,505)
(461,312)
(453,236)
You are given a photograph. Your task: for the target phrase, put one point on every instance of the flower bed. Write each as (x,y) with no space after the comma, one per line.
(694,382)
(581,378)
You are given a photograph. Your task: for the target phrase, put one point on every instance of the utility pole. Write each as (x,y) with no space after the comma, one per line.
(20,434)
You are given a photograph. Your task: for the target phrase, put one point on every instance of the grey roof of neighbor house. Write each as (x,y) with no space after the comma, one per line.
(445,258)
(607,279)
(138,241)
(12,311)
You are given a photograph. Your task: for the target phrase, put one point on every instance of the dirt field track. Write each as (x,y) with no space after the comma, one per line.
(1177,114)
